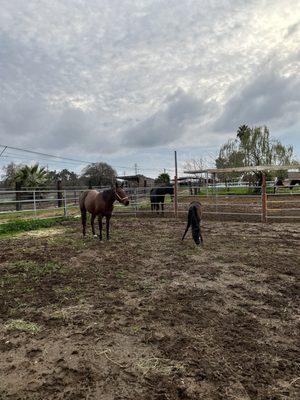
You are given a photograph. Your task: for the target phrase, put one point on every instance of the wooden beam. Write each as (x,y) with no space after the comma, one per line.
(246,169)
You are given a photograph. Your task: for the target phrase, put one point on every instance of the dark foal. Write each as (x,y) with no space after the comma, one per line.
(100,204)
(194,219)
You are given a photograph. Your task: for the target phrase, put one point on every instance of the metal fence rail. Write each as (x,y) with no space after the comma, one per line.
(262,206)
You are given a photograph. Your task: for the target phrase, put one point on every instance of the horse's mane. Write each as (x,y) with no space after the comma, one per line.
(106,194)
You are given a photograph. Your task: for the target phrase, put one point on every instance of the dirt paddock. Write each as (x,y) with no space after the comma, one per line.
(145,316)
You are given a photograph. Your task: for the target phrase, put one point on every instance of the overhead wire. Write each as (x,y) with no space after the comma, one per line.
(65,160)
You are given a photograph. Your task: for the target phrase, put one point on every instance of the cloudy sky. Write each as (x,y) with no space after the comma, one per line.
(129,81)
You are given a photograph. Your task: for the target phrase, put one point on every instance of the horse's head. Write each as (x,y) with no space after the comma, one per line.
(121,195)
(196,235)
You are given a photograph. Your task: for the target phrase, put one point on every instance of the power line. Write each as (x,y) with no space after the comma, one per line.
(71,160)
(5,147)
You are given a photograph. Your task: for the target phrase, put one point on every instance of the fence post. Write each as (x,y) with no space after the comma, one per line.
(65,204)
(59,192)
(18,196)
(175,197)
(34,202)
(264,199)
(215,192)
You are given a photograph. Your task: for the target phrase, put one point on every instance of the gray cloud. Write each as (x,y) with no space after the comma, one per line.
(102,77)
(179,111)
(269,98)
(292,29)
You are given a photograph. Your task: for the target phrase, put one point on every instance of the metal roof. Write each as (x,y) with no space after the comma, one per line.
(246,169)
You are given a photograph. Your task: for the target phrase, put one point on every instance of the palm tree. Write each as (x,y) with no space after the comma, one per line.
(244,133)
(31,176)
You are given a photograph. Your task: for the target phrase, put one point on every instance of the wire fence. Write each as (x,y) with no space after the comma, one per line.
(239,202)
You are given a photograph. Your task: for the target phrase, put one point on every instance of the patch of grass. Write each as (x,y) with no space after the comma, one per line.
(120,274)
(21,325)
(28,271)
(136,329)
(17,226)
(32,268)
(59,315)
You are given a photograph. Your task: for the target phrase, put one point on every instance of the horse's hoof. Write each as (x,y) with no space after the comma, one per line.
(95,236)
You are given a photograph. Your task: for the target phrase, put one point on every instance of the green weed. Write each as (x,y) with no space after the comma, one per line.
(21,325)
(120,274)
(17,226)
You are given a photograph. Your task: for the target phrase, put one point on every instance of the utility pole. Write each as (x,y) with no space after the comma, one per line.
(175,187)
(135,168)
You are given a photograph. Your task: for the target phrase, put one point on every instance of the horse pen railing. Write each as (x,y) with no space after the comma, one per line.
(239,202)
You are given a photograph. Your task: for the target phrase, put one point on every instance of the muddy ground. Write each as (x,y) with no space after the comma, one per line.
(145,316)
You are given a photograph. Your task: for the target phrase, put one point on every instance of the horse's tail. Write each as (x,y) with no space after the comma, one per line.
(82,200)
(83,210)
(189,221)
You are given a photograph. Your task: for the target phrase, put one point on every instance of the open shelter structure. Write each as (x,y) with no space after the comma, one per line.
(213,172)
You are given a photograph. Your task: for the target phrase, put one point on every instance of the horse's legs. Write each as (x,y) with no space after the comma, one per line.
(92,223)
(200,234)
(83,221)
(107,226)
(157,207)
(100,226)
(162,207)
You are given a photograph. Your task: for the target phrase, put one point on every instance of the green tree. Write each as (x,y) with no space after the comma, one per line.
(31,176)
(69,178)
(163,179)
(26,176)
(98,174)
(10,172)
(253,147)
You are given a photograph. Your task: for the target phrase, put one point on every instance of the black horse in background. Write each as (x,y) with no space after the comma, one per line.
(157,197)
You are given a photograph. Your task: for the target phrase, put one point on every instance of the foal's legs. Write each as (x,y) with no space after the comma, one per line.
(100,226)
(200,233)
(107,226)
(92,223)
(83,221)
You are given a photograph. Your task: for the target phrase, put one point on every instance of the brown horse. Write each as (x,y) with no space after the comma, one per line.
(194,219)
(100,204)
